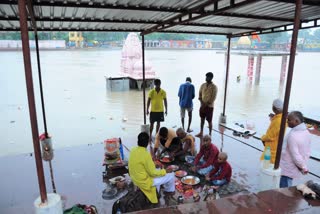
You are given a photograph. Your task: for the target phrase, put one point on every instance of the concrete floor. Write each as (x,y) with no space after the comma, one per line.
(78,177)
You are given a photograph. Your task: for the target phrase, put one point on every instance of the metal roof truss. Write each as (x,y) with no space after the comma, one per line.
(224,17)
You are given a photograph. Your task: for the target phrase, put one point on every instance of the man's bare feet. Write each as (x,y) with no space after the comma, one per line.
(215,187)
(199,135)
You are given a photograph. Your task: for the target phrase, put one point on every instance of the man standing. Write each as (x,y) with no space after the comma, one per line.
(271,137)
(144,174)
(207,95)
(294,158)
(186,94)
(156,97)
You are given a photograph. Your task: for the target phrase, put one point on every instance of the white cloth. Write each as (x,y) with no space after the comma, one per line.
(278,104)
(167,181)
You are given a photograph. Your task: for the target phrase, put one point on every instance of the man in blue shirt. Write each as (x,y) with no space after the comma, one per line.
(186,95)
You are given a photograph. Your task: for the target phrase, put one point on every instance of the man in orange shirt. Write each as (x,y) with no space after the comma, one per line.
(207,95)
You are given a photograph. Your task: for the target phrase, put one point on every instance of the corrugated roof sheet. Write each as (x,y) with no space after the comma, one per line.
(228,17)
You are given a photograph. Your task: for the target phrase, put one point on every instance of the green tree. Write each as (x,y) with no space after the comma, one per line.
(316,34)
(272,38)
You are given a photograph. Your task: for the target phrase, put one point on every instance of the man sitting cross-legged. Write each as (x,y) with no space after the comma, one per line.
(205,159)
(222,171)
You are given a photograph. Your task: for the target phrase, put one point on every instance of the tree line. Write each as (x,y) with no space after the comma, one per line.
(307,35)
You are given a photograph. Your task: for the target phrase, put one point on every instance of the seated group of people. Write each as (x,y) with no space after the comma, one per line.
(209,162)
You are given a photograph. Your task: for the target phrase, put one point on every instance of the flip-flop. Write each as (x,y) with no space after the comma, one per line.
(246,134)
(235,133)
(241,125)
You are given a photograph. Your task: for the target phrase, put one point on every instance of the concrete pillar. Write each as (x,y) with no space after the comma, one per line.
(269,178)
(250,68)
(283,69)
(258,69)
(53,205)
(139,84)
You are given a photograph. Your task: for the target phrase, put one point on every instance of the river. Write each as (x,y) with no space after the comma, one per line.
(80,110)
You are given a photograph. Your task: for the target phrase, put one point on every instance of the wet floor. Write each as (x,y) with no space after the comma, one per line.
(271,201)
(78,175)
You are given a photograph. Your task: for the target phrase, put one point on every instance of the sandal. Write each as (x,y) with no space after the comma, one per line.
(237,134)
(246,134)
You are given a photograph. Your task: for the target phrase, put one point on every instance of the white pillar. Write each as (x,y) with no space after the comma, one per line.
(269,178)
(52,206)
(250,68)
(145,128)
(258,69)
(283,69)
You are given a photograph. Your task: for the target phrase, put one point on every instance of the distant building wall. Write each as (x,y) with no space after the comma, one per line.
(184,44)
(43,44)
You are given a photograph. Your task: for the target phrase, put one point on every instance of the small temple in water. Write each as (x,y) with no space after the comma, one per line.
(131,71)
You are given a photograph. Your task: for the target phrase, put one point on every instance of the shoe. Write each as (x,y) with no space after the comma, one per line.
(246,134)
(237,134)
(170,201)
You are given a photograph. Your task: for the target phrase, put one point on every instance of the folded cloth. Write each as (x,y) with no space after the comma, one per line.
(315,187)
(306,191)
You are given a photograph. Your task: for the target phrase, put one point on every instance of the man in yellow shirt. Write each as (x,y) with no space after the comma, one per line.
(157,97)
(272,134)
(144,174)
(163,140)
(188,144)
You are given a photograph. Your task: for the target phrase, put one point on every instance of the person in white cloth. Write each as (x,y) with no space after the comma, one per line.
(294,157)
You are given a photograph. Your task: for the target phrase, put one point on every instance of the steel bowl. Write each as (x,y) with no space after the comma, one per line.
(190,180)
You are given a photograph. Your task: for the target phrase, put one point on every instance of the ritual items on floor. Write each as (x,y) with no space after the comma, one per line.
(190,180)
(166,159)
(180,173)
(112,152)
(173,167)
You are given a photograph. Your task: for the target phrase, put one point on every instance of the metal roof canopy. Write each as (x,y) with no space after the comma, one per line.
(223,17)
(170,14)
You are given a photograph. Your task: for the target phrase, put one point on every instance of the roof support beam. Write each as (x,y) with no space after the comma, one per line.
(89,20)
(31,14)
(177,21)
(193,32)
(248,16)
(278,30)
(48,19)
(100,6)
(220,26)
(305,2)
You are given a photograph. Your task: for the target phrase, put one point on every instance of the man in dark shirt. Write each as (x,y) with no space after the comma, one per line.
(206,158)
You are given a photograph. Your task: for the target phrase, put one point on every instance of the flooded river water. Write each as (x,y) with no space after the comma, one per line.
(80,110)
